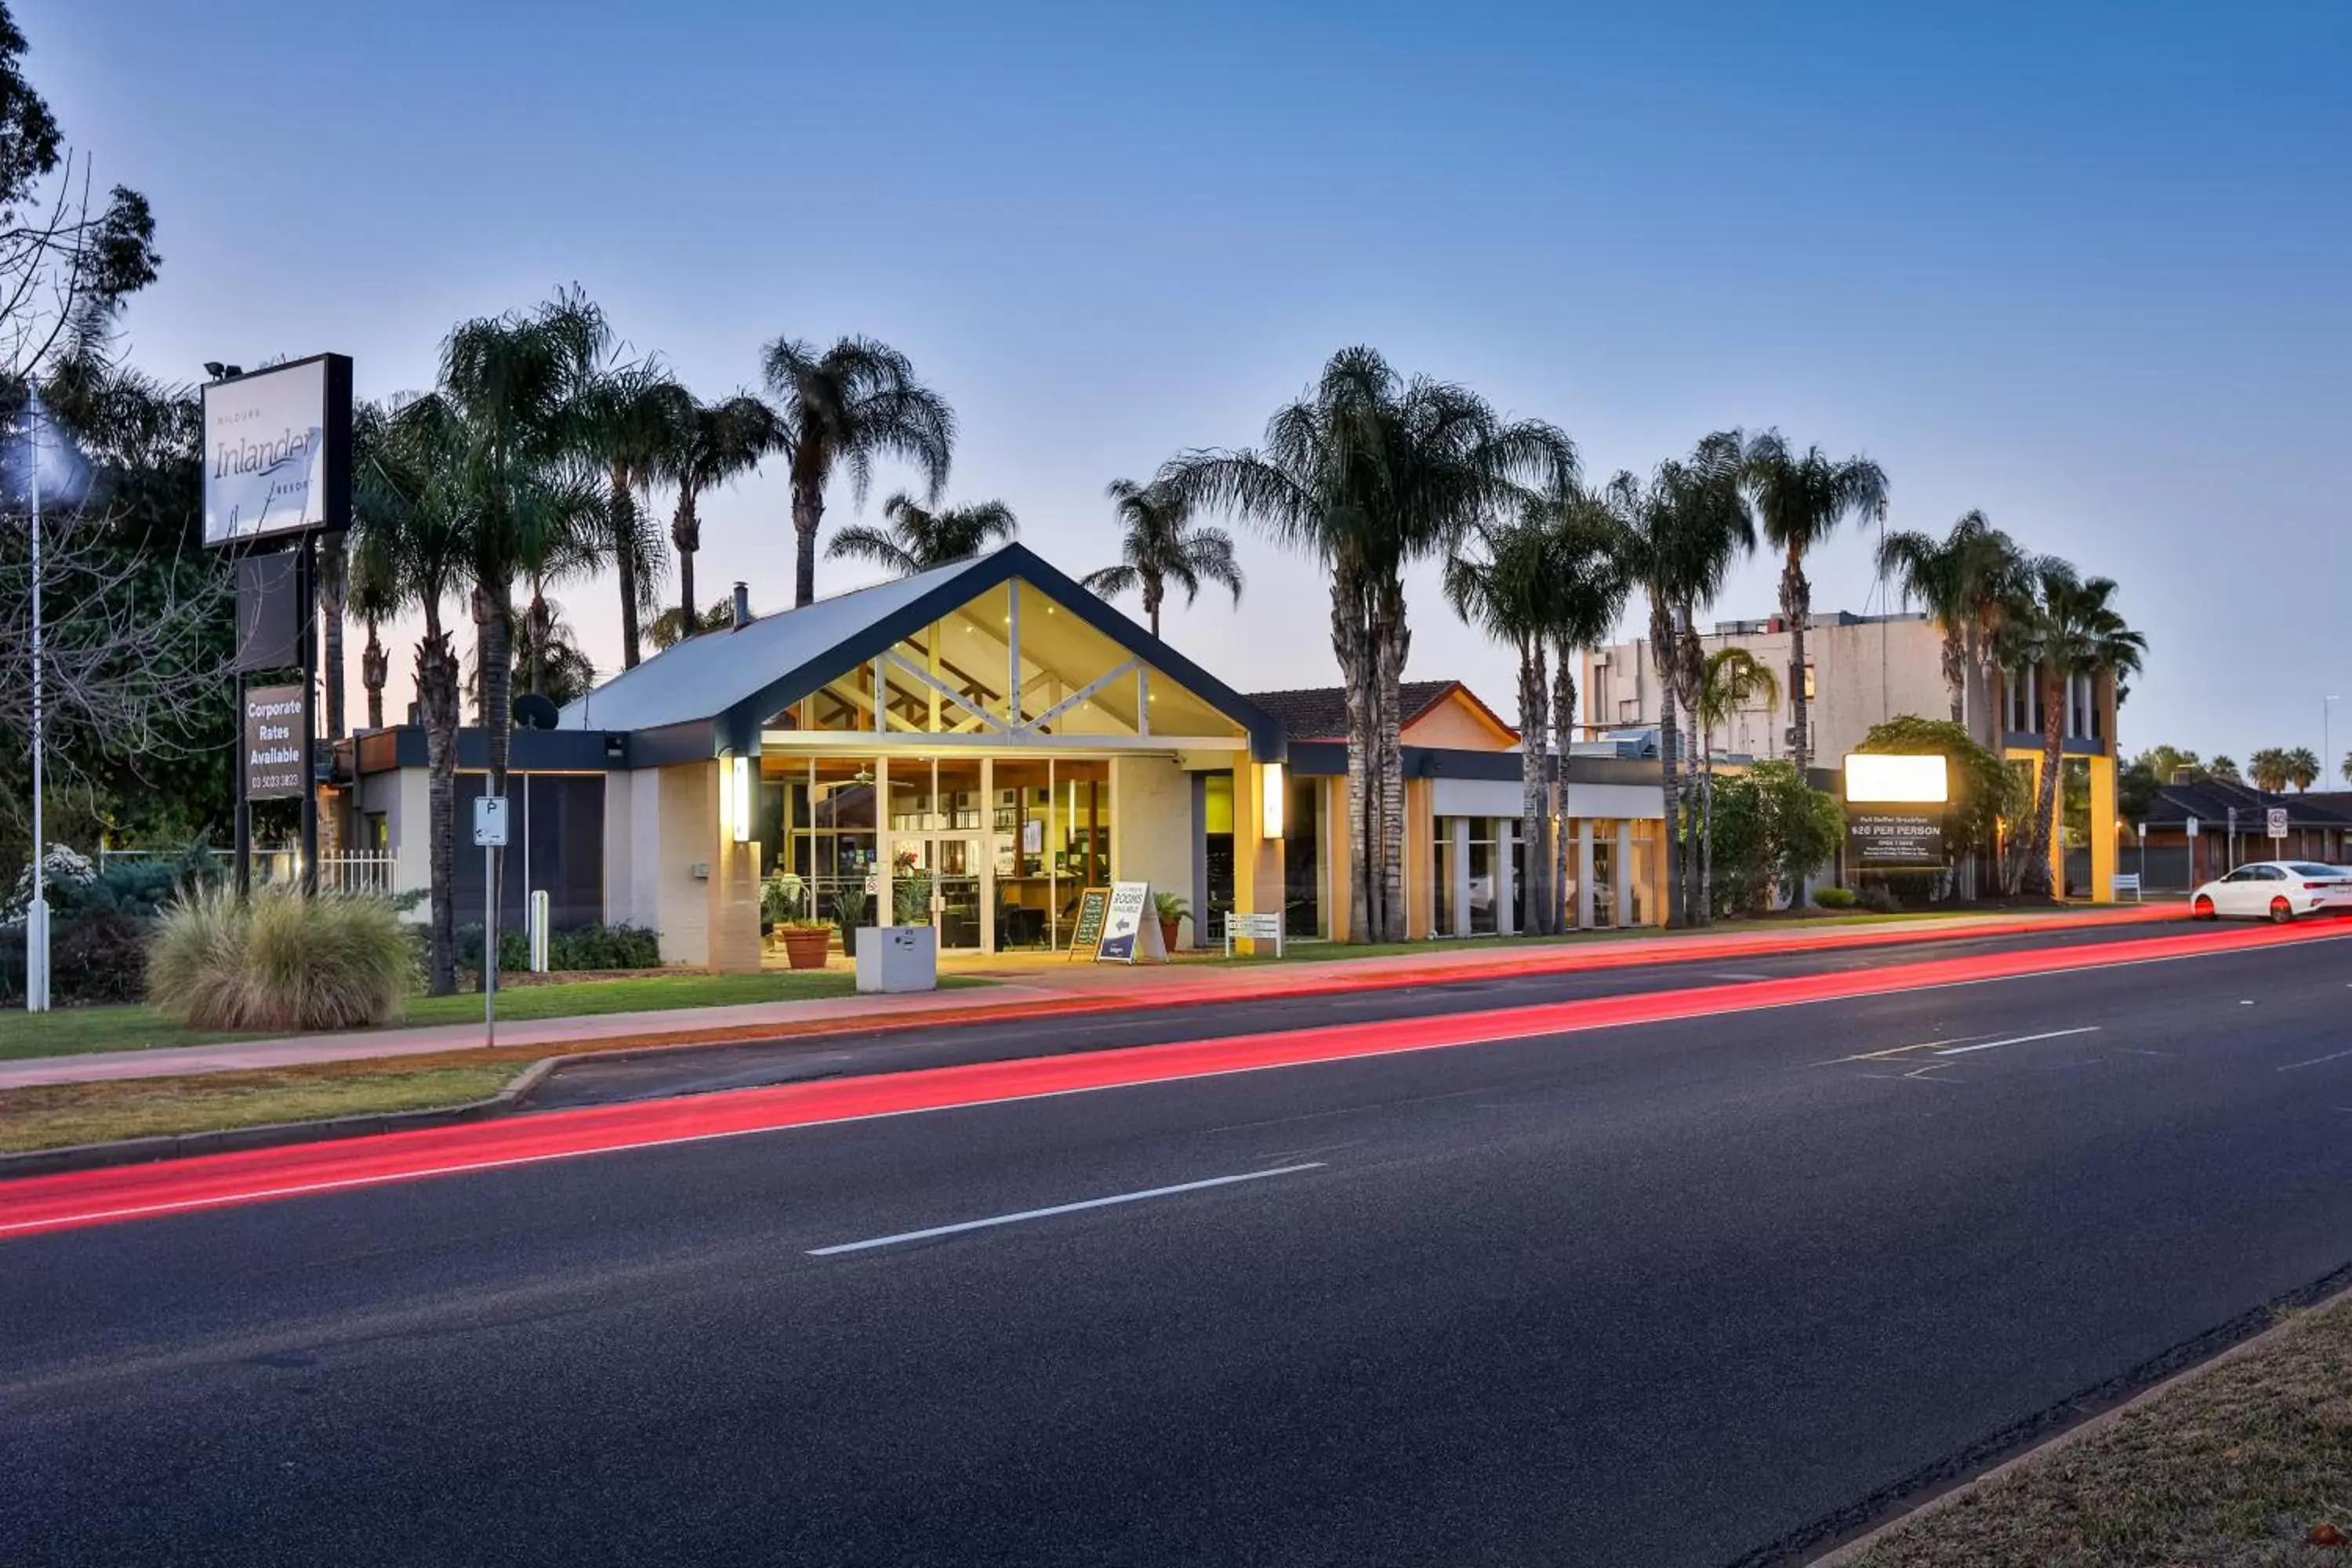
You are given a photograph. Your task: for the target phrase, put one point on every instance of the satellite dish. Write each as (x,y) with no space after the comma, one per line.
(532,711)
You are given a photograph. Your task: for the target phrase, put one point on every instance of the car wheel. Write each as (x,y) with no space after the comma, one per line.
(2202,909)
(2280,912)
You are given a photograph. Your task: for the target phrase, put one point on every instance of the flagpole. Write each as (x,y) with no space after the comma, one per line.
(36,922)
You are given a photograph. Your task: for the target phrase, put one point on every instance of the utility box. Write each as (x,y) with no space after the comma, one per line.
(898,958)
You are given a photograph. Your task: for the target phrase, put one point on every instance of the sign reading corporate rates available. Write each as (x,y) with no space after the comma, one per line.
(278,450)
(273,744)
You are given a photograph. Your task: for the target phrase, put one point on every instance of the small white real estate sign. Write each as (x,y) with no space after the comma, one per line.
(1132,929)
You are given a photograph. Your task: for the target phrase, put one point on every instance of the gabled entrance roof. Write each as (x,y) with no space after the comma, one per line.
(730,683)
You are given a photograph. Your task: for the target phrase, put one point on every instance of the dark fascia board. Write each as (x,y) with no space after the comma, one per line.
(737,728)
(1319,758)
(1449,762)
(2071,746)
(527,751)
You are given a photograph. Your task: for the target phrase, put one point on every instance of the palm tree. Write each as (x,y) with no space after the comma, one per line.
(1503,583)
(1158,544)
(633,417)
(2348,767)
(2302,768)
(415,538)
(1964,580)
(1370,472)
(1800,501)
(856,402)
(1683,531)
(374,597)
(720,442)
(2225,769)
(1733,678)
(914,538)
(676,624)
(508,408)
(562,670)
(1589,584)
(334,603)
(2268,769)
(2067,627)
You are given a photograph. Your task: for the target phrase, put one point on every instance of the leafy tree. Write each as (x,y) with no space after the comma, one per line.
(1370,472)
(2224,769)
(914,538)
(1799,500)
(1984,788)
(1772,830)
(719,443)
(856,402)
(1160,544)
(2067,626)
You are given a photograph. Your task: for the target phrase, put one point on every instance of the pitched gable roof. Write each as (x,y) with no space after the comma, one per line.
(1320,712)
(738,680)
(2210,801)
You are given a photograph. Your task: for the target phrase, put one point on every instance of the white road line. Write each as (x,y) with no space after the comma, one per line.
(1895,1050)
(2315,1061)
(993,1220)
(1727,974)
(2019,1040)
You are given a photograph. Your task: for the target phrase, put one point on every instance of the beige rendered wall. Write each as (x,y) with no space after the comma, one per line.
(1455,723)
(1152,825)
(686,831)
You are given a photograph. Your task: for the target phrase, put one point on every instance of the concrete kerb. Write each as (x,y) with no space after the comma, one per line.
(2288,1312)
(515,1095)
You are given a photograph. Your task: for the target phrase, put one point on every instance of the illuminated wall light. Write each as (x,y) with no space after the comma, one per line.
(1274,798)
(739,797)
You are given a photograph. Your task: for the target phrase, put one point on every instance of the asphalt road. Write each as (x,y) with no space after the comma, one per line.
(1648,1295)
(707,1069)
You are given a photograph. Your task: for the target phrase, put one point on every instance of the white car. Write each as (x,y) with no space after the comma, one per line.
(2275,890)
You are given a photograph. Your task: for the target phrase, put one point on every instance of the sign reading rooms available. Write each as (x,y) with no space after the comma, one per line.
(273,742)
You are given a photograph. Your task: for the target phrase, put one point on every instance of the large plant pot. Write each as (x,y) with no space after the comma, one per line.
(1167,933)
(805,947)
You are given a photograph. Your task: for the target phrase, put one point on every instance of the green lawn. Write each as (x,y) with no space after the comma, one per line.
(53,1116)
(74,1030)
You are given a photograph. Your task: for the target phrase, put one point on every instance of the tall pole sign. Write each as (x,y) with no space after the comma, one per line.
(277,473)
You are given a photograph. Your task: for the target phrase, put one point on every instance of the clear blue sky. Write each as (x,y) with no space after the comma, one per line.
(2083,267)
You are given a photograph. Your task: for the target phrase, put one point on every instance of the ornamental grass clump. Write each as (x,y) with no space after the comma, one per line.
(279,961)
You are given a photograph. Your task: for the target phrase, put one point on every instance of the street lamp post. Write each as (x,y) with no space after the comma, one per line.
(36,918)
(2326,743)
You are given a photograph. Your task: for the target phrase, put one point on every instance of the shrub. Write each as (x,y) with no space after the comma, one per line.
(1835,898)
(621,946)
(101,955)
(1879,898)
(279,961)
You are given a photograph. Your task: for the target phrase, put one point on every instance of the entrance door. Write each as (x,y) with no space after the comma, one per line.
(938,877)
(1605,877)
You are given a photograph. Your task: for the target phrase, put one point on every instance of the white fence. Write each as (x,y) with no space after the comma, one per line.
(372,873)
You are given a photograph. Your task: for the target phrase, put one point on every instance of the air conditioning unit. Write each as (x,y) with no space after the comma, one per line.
(1603,659)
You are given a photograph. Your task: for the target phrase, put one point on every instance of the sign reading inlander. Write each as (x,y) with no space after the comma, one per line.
(273,744)
(278,450)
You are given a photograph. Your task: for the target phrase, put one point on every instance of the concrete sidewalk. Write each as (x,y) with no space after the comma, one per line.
(1021,988)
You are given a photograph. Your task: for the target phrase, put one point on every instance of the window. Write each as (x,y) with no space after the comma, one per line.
(1808,683)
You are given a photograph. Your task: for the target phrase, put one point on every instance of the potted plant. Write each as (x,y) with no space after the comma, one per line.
(1172,911)
(784,902)
(849,902)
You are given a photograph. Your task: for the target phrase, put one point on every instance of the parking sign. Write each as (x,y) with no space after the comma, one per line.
(490,821)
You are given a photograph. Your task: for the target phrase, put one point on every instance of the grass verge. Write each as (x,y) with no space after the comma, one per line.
(2234,1467)
(51,1116)
(74,1031)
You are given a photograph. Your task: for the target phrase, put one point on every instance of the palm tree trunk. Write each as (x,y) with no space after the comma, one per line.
(1394,641)
(1796,608)
(1706,825)
(808,510)
(1152,589)
(1955,675)
(1662,655)
(625,563)
(374,669)
(1348,645)
(1532,751)
(437,698)
(1563,723)
(2033,876)
(686,533)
